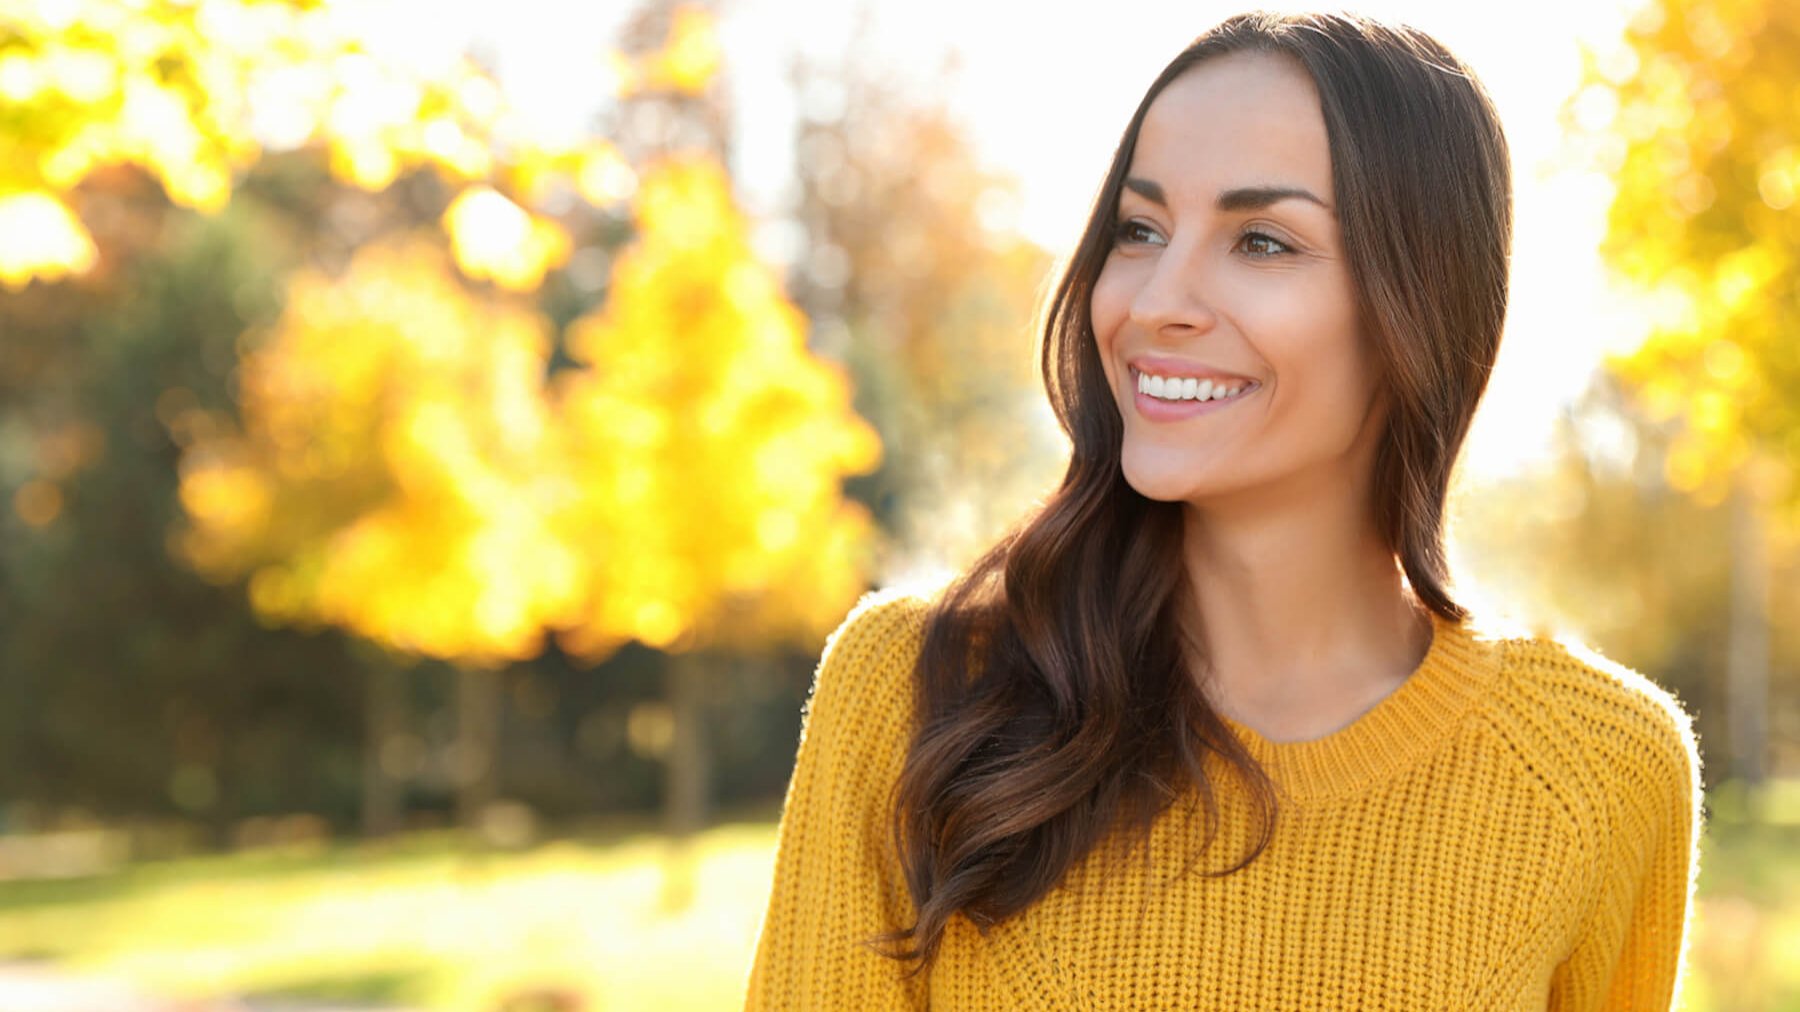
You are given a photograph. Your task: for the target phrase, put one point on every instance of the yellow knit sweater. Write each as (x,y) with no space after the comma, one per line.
(1515,827)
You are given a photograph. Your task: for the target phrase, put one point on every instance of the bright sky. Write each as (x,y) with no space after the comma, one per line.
(1045,90)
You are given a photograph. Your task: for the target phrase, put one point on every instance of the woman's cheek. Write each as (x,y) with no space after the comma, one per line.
(1280,311)
(1110,302)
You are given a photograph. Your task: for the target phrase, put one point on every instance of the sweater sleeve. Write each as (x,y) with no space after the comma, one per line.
(837,879)
(1633,945)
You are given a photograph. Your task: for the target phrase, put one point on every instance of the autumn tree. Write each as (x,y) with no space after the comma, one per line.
(403,470)
(134,690)
(195,94)
(917,276)
(1700,138)
(712,446)
(395,473)
(397,464)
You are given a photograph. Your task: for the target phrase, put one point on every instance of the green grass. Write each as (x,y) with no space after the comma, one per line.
(386,987)
(1746,946)
(428,922)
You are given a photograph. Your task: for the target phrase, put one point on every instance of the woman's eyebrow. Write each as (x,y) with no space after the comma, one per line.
(1243,198)
(1153,192)
(1251,198)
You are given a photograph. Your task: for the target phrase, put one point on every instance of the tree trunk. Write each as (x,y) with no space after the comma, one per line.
(384,716)
(686,779)
(477,743)
(1747,672)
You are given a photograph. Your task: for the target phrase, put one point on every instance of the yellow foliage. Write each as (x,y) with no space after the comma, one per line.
(191,93)
(111,83)
(604,177)
(404,472)
(232,502)
(715,441)
(686,63)
(40,238)
(1741,277)
(401,468)
(397,470)
(1703,214)
(690,58)
(496,239)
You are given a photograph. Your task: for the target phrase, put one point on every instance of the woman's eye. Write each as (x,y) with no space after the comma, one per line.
(1134,232)
(1261,244)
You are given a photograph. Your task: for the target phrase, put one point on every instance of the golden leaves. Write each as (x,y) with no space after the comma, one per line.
(49,241)
(396,472)
(402,468)
(405,470)
(193,93)
(112,84)
(686,63)
(494,238)
(1702,216)
(716,440)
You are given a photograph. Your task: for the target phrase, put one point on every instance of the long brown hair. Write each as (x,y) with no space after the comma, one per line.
(1053,703)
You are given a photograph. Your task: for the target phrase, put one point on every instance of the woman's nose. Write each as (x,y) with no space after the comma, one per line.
(1172,297)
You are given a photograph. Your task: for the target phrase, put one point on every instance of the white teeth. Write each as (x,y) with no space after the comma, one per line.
(1186,388)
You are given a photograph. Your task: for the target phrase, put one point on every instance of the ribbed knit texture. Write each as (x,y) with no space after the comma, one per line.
(1515,827)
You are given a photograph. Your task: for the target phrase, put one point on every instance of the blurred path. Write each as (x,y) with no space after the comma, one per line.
(44,987)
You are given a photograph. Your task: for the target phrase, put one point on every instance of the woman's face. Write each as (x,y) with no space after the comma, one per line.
(1226,263)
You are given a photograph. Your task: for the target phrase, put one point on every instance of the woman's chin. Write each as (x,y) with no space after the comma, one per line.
(1161,481)
(1167,475)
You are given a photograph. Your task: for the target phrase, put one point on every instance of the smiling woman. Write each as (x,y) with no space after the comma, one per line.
(1266,350)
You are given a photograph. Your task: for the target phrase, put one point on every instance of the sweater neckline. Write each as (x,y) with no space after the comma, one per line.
(1408,723)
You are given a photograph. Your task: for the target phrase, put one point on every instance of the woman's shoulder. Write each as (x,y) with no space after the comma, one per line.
(884,619)
(881,635)
(862,688)
(1604,699)
(1592,727)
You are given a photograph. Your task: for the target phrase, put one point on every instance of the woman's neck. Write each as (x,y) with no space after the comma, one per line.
(1302,616)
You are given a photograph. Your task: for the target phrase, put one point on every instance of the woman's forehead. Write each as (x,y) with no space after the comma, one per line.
(1241,119)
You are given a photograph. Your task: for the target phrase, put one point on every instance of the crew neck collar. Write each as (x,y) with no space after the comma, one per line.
(1410,722)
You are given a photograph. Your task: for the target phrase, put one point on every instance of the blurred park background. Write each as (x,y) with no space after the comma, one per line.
(436,439)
